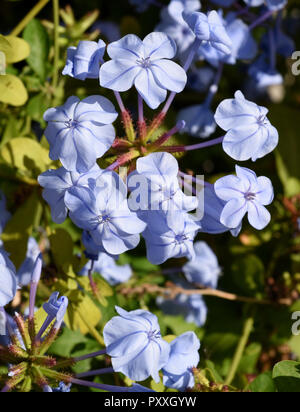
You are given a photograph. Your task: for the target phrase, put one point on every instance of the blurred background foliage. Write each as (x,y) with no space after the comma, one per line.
(262,265)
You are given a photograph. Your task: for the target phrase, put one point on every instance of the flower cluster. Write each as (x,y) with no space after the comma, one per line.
(121,185)
(134,342)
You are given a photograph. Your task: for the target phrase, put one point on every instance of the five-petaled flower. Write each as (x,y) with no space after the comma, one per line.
(83,61)
(57,182)
(184,356)
(79,132)
(209,29)
(169,235)
(249,132)
(245,193)
(8,279)
(105,214)
(145,64)
(134,342)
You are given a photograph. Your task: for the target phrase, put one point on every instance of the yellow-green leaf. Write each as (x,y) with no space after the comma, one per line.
(61,247)
(12,90)
(26,155)
(14,48)
(20,226)
(83,315)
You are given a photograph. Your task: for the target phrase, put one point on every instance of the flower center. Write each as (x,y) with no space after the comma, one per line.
(262,120)
(71,124)
(154,334)
(145,63)
(103,219)
(250,196)
(179,239)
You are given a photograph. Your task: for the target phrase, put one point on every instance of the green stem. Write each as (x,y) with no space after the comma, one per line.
(31,15)
(248,326)
(56,43)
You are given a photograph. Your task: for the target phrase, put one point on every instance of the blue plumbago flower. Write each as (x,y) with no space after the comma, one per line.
(184,356)
(245,193)
(105,214)
(8,279)
(92,250)
(175,26)
(139,388)
(273,5)
(169,235)
(210,29)
(57,182)
(83,61)
(200,79)
(79,132)
(134,342)
(249,132)
(158,187)
(63,388)
(284,45)
(55,308)
(213,208)
(110,30)
(24,272)
(204,269)
(177,7)
(263,74)
(244,46)
(145,64)
(107,267)
(254,3)
(276,5)
(199,121)
(4,214)
(224,3)
(193,308)
(141,5)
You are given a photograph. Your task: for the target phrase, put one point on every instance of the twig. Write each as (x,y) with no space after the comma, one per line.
(172,290)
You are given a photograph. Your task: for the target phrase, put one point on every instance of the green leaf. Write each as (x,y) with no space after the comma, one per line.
(286,375)
(248,275)
(12,90)
(263,383)
(67,341)
(20,226)
(37,37)
(26,155)
(287,154)
(36,107)
(211,372)
(250,358)
(141,264)
(82,313)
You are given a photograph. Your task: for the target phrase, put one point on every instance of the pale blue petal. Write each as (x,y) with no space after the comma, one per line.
(259,217)
(233,213)
(147,87)
(119,75)
(169,75)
